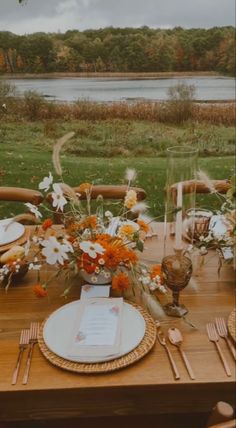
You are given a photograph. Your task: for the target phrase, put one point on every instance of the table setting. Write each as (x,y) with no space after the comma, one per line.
(110,300)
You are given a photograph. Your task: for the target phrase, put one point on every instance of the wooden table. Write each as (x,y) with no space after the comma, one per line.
(146,387)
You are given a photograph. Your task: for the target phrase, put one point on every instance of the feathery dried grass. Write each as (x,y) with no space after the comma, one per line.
(69,192)
(207,181)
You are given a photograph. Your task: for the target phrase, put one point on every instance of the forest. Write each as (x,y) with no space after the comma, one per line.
(120,50)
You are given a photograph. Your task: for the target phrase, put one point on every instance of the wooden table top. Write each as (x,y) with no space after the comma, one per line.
(146,387)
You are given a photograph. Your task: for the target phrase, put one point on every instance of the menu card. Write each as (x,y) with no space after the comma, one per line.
(88,291)
(97,330)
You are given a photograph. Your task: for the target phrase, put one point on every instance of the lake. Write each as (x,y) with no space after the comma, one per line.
(114,89)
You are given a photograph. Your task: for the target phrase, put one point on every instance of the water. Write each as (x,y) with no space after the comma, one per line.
(112,89)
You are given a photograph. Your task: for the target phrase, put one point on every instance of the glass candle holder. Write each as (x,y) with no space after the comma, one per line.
(198,222)
(180,190)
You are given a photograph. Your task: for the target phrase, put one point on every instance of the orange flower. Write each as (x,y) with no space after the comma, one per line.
(111,257)
(156,270)
(87,263)
(90,221)
(73,227)
(129,256)
(104,238)
(39,290)
(47,223)
(120,282)
(85,187)
(143,225)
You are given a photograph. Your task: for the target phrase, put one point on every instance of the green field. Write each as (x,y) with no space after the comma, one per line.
(100,152)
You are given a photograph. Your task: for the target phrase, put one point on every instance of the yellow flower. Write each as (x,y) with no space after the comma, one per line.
(126,229)
(130,199)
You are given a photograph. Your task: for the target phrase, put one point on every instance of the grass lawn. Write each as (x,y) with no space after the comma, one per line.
(25,155)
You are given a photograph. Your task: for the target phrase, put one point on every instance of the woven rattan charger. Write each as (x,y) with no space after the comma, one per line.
(139,352)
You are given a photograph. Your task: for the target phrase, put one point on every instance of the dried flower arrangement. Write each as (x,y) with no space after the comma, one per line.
(91,242)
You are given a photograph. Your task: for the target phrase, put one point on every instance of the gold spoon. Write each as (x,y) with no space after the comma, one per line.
(176,338)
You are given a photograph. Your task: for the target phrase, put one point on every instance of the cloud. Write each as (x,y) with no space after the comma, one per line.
(54,15)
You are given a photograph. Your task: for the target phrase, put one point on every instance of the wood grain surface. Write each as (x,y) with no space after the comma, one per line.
(146,387)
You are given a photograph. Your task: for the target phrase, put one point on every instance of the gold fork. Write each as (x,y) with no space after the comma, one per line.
(23,343)
(223,332)
(33,339)
(213,337)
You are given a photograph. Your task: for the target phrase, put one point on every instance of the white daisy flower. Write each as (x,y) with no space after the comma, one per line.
(33,209)
(91,248)
(68,245)
(46,183)
(54,251)
(58,200)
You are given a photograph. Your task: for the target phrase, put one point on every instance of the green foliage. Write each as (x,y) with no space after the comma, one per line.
(120,50)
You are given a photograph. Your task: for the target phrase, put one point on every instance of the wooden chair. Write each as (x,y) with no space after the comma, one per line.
(221,186)
(19,194)
(112,192)
(222,416)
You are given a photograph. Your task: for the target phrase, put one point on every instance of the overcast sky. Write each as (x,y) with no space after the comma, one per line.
(62,15)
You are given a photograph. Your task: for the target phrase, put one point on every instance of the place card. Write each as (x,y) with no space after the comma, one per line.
(97,329)
(89,291)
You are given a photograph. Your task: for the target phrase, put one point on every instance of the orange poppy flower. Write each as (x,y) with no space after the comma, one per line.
(39,290)
(120,282)
(87,263)
(47,223)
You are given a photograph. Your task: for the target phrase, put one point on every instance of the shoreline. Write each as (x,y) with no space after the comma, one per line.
(115,75)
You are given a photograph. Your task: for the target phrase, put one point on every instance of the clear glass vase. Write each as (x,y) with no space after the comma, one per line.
(180,192)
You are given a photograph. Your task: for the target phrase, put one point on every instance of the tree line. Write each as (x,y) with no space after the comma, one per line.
(120,50)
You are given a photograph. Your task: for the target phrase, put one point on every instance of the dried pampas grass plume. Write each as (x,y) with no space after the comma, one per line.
(56,151)
(68,192)
(206,180)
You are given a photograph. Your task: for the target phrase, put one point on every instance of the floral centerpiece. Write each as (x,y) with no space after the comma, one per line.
(91,242)
(221,234)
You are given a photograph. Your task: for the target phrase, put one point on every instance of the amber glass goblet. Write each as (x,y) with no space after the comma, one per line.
(177,270)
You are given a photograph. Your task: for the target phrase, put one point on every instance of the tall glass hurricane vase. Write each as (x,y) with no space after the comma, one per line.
(180,196)
(180,188)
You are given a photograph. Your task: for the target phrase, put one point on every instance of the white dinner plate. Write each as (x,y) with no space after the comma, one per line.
(10,234)
(60,324)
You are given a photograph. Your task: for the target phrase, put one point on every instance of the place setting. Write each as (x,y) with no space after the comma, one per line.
(97,335)
(12,233)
